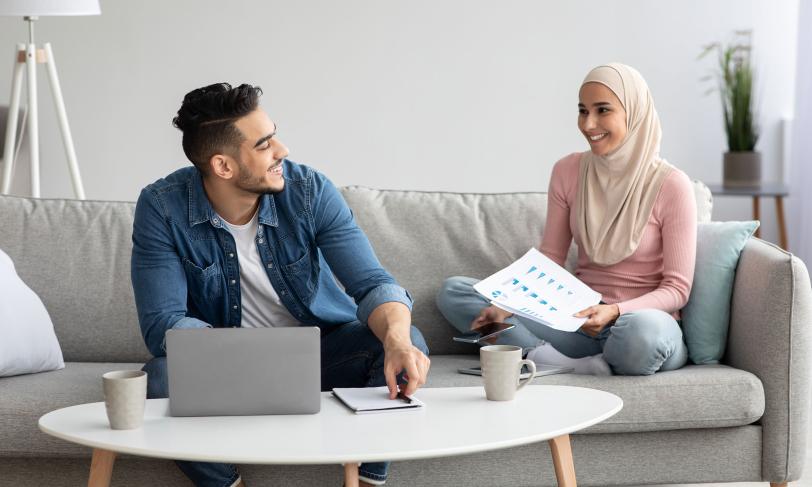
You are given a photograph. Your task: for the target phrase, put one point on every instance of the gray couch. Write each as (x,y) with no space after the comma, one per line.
(744,420)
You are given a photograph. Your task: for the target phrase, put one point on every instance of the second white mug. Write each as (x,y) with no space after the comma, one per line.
(501,365)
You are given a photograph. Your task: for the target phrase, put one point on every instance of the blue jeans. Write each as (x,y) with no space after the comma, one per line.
(351,356)
(638,343)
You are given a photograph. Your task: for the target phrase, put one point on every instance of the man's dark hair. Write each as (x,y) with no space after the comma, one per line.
(206,117)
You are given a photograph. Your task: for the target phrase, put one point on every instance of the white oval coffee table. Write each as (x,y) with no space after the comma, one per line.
(455,421)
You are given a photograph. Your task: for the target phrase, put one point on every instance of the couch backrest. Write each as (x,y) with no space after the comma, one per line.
(76,256)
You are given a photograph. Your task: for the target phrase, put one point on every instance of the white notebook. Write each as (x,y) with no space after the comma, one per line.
(366,400)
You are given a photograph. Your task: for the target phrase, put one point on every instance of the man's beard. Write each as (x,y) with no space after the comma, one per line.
(254,184)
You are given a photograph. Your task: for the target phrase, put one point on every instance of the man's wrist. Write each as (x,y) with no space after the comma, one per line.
(396,340)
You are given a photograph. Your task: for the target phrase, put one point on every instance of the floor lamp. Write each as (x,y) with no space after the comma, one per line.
(26,57)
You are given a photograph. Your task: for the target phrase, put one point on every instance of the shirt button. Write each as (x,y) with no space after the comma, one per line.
(215,220)
(235,306)
(233,281)
(261,240)
(231,255)
(284,293)
(270,265)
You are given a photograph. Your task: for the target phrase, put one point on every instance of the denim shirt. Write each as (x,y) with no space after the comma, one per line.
(185,271)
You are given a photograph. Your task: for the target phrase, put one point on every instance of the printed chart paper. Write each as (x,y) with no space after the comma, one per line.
(538,289)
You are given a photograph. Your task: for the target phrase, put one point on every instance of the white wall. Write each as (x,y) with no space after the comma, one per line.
(425,94)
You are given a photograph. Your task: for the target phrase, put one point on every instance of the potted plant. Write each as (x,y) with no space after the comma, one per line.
(734,75)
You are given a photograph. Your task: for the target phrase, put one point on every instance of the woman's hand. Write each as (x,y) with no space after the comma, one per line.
(599,316)
(491,314)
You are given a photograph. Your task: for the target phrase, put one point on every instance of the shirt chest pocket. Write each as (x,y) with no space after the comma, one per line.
(203,283)
(302,275)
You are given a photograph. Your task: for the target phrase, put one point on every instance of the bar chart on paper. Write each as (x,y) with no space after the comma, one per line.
(538,289)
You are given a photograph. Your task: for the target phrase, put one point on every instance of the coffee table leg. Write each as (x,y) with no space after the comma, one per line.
(562,460)
(101,468)
(350,475)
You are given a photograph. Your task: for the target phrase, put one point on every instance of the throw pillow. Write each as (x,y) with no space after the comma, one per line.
(28,342)
(706,317)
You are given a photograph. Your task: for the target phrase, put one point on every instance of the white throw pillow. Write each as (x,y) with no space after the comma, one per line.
(27,340)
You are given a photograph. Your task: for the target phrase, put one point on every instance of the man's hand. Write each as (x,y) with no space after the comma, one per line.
(491,314)
(391,323)
(400,356)
(599,316)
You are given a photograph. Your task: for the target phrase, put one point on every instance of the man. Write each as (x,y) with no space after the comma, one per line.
(248,238)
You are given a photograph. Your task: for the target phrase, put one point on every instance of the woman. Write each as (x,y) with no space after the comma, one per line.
(633,216)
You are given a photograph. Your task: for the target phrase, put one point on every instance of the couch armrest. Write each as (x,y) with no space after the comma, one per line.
(770,336)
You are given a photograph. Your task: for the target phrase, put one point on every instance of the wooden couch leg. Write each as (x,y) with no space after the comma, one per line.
(778,484)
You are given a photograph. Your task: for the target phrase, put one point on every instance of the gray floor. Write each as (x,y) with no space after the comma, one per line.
(805,481)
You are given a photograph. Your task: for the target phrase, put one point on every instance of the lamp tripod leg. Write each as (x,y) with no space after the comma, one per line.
(62,115)
(33,131)
(9,149)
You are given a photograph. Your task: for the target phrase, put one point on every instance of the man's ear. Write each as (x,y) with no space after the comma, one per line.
(221,166)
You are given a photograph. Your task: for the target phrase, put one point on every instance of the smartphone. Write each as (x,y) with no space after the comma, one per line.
(485,333)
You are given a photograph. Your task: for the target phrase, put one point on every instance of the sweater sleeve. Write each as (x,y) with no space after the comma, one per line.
(676,208)
(557,236)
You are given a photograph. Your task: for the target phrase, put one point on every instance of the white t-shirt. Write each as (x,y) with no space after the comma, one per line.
(261,306)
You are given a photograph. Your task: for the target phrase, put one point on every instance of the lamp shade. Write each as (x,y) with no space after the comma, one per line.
(43,8)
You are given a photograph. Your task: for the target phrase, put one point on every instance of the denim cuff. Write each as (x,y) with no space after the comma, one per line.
(185,322)
(189,322)
(385,293)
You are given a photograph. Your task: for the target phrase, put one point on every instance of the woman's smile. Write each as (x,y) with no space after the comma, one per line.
(601,118)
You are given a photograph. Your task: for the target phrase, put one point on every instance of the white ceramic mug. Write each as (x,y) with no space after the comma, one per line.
(125,395)
(501,365)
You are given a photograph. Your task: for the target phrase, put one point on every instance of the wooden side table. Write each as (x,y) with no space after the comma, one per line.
(776,190)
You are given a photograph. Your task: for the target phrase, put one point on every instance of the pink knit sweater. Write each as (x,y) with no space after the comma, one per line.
(659,273)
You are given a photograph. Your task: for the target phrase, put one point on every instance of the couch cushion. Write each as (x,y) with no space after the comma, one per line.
(695,396)
(24,398)
(706,396)
(76,256)
(706,317)
(29,344)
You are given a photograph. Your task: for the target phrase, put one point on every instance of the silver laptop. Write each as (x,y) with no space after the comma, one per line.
(244,371)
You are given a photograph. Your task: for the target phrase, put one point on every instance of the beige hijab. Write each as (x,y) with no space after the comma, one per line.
(616,192)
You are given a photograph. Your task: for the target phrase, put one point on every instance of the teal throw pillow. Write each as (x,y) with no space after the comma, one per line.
(706,317)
